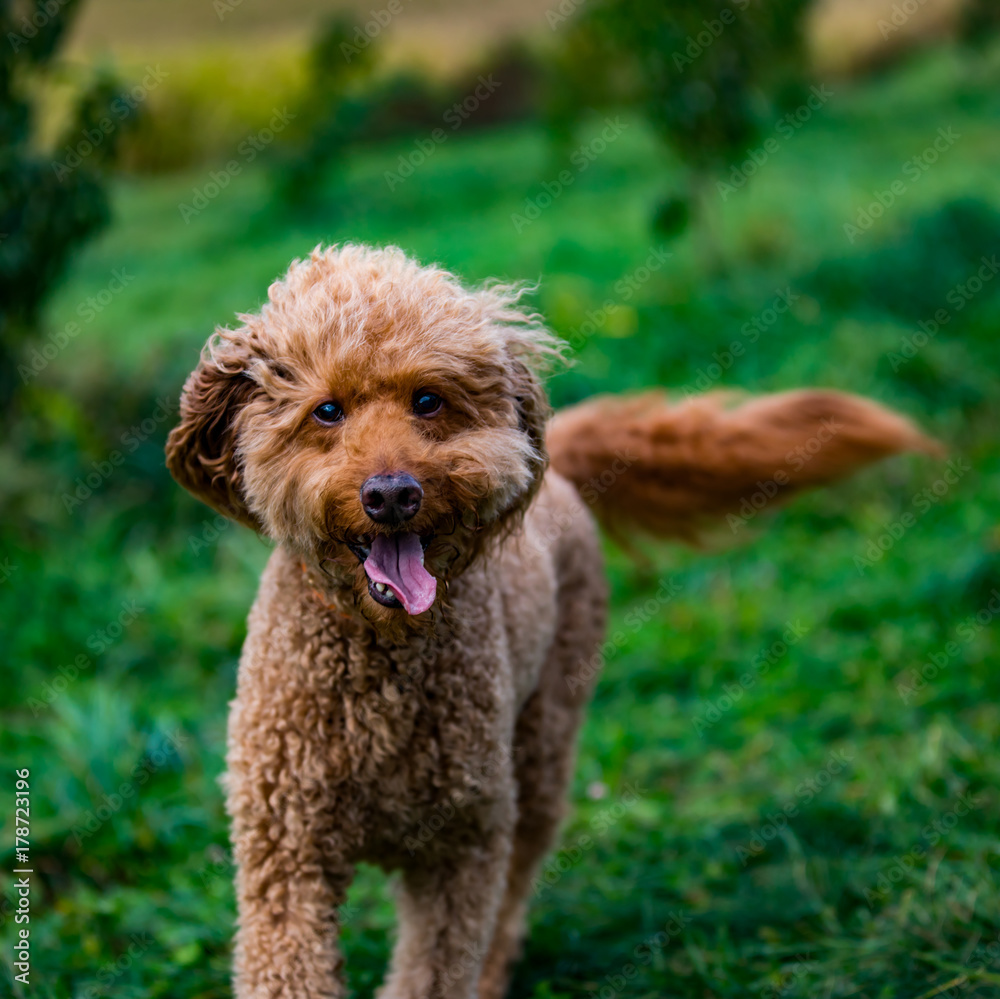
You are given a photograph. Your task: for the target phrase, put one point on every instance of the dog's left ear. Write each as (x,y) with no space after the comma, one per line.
(533,412)
(201,449)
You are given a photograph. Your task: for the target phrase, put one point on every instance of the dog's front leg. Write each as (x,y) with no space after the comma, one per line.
(291,877)
(447,914)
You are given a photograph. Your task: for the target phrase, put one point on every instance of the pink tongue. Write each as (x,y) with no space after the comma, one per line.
(398,561)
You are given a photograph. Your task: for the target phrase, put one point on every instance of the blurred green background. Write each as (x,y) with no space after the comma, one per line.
(787,784)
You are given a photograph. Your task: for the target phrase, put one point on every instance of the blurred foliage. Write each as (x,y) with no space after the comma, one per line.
(333,115)
(981,21)
(340,96)
(48,206)
(349,101)
(207,104)
(912,274)
(344,95)
(708,76)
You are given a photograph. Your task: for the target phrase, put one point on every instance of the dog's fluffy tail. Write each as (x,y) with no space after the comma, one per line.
(672,470)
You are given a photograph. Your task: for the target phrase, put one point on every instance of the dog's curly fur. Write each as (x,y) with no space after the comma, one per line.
(438,744)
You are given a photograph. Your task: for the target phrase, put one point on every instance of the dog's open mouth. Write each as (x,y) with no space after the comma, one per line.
(394,564)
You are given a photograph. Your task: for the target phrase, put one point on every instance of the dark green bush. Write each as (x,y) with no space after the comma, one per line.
(708,76)
(47,207)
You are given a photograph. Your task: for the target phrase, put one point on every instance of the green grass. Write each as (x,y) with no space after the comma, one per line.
(853,891)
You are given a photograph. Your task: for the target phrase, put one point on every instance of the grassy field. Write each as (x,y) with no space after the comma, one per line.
(787,785)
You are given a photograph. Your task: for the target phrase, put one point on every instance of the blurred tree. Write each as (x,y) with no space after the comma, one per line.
(348,102)
(582,74)
(48,208)
(707,73)
(981,20)
(332,115)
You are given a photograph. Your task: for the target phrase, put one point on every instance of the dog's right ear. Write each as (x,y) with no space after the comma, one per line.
(533,412)
(201,449)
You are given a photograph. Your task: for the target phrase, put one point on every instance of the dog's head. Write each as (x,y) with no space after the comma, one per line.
(376,418)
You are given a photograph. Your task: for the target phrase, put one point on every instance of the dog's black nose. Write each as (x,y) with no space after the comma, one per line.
(391,498)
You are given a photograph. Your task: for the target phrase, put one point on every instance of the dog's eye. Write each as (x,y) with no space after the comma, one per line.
(426,403)
(329,413)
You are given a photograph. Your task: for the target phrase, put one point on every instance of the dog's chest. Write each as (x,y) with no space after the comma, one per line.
(398,733)
(429,724)
(430,761)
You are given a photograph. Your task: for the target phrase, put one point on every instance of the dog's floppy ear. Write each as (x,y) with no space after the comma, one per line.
(533,412)
(201,449)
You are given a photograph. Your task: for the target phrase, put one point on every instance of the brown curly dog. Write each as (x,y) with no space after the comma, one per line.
(418,656)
